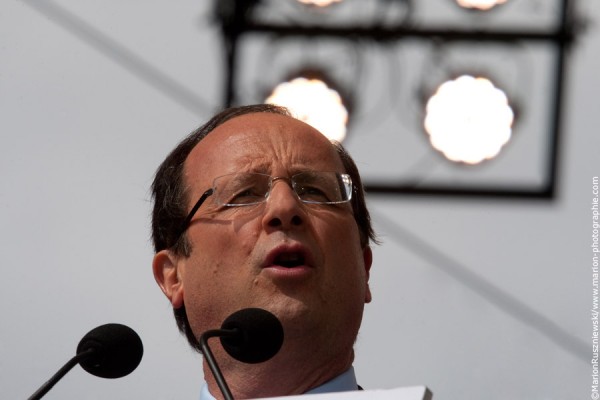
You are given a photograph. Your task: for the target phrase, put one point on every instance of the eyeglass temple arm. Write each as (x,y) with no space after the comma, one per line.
(188,219)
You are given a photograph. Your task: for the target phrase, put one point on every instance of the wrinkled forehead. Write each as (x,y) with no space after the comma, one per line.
(261,142)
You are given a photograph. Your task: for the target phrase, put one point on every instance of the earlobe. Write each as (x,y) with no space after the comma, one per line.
(368,260)
(166,273)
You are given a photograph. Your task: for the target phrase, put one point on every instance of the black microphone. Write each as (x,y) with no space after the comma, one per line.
(108,351)
(259,337)
(251,335)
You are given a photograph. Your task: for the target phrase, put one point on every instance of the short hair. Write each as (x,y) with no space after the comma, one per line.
(171,197)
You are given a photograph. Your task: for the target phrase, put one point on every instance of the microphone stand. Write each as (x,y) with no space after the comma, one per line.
(61,372)
(210,359)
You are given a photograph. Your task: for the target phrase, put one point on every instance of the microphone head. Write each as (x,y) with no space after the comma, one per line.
(259,337)
(117,351)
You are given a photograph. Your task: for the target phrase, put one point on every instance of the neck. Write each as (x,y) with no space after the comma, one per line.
(288,373)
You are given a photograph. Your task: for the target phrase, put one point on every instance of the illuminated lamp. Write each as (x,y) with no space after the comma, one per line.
(482,5)
(311,98)
(319,3)
(468,119)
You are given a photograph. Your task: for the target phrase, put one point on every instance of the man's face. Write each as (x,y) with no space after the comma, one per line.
(238,253)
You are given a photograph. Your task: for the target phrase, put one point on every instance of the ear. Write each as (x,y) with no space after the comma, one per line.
(368,260)
(167,273)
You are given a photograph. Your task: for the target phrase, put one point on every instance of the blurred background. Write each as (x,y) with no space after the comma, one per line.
(482,285)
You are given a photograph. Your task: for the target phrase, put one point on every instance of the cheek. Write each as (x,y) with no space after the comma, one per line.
(224,256)
(246,226)
(217,272)
(341,235)
(340,241)
(243,241)
(231,234)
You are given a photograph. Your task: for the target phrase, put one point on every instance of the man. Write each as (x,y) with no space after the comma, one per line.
(258,209)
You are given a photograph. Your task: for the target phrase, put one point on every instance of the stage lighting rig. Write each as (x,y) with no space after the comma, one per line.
(385,28)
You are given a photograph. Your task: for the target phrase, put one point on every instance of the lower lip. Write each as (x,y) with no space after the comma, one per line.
(277,271)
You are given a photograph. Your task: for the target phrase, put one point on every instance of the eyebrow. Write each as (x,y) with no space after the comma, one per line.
(265,167)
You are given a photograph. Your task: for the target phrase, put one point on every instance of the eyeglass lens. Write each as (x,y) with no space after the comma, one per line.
(311,187)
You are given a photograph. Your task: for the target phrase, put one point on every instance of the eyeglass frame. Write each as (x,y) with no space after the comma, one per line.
(209,192)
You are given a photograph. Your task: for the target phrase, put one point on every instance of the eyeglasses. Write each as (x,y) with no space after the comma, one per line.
(247,189)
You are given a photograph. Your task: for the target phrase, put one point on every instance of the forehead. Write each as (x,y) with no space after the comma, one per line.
(261,142)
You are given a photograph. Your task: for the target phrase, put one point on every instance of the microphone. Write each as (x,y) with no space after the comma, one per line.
(259,337)
(251,335)
(116,350)
(108,351)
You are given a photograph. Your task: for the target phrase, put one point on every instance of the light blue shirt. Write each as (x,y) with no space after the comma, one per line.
(341,383)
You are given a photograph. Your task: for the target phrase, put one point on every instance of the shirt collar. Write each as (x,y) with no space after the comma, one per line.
(341,383)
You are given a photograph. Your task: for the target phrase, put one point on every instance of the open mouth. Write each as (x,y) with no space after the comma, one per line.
(289,260)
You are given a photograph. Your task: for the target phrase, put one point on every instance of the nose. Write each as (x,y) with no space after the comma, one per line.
(284,209)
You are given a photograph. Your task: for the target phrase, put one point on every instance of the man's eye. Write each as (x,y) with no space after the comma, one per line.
(250,195)
(313,193)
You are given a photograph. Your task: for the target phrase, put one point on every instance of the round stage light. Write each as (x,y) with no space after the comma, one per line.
(315,103)
(319,3)
(468,119)
(482,5)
